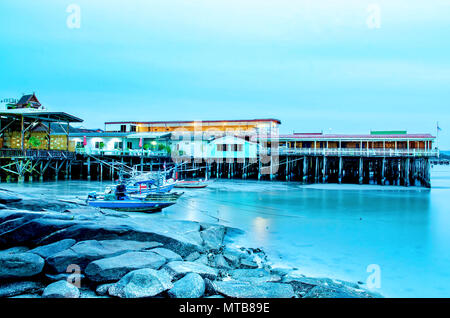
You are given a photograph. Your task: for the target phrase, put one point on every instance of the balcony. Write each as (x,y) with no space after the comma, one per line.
(36,154)
(120,152)
(358,152)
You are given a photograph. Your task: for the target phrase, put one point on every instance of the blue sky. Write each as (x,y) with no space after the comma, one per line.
(315,65)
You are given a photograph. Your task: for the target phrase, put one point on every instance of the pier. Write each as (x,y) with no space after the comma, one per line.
(37,144)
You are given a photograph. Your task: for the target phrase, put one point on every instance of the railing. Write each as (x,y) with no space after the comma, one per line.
(357,152)
(36,154)
(119,152)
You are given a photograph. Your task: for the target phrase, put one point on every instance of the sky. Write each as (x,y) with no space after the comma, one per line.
(347,66)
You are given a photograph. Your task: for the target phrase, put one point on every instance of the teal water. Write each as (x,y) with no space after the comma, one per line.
(331,231)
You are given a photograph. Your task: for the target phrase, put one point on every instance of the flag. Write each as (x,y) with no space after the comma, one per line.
(438,128)
(84,141)
(140,142)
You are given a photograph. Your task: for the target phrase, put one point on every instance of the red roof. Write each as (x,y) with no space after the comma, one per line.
(342,136)
(192,121)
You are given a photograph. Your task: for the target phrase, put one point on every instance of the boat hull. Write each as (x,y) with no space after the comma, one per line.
(191,184)
(130,205)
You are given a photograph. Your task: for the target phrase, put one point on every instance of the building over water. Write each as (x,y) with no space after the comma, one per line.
(33,138)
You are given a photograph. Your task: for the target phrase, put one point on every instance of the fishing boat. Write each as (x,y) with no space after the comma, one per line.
(194,184)
(150,186)
(153,202)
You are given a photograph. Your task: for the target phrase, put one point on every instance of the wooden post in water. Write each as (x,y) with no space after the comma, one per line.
(383,165)
(89,168)
(324,170)
(360,173)
(305,169)
(406,172)
(340,170)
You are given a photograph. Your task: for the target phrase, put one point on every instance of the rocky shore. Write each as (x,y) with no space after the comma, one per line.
(54,249)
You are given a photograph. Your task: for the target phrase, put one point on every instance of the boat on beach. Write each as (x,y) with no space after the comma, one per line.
(152,202)
(194,184)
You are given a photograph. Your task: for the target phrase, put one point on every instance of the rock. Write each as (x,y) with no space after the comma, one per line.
(180,268)
(18,288)
(141,283)
(65,276)
(20,265)
(42,228)
(113,268)
(7,197)
(102,290)
(27,296)
(246,262)
(213,237)
(85,252)
(220,262)
(61,289)
(258,275)
(53,248)
(14,250)
(88,293)
(31,232)
(192,257)
(190,286)
(233,256)
(202,260)
(236,289)
(338,292)
(167,254)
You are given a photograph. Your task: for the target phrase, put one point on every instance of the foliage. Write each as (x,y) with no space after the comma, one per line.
(101,145)
(146,146)
(34,142)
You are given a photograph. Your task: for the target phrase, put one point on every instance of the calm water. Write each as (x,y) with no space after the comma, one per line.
(333,232)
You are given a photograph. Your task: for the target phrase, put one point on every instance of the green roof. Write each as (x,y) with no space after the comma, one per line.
(388,132)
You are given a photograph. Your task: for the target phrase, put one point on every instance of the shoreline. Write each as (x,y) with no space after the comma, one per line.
(113,252)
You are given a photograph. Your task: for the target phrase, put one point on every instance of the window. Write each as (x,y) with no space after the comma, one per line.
(97,145)
(129,145)
(133,128)
(123,128)
(231,147)
(117,145)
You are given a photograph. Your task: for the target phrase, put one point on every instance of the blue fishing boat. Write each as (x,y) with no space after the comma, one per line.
(120,200)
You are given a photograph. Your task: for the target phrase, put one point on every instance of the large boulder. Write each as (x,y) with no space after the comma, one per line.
(53,248)
(213,237)
(61,289)
(141,283)
(190,286)
(237,289)
(85,252)
(42,228)
(113,268)
(31,233)
(172,235)
(19,288)
(20,265)
(180,268)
